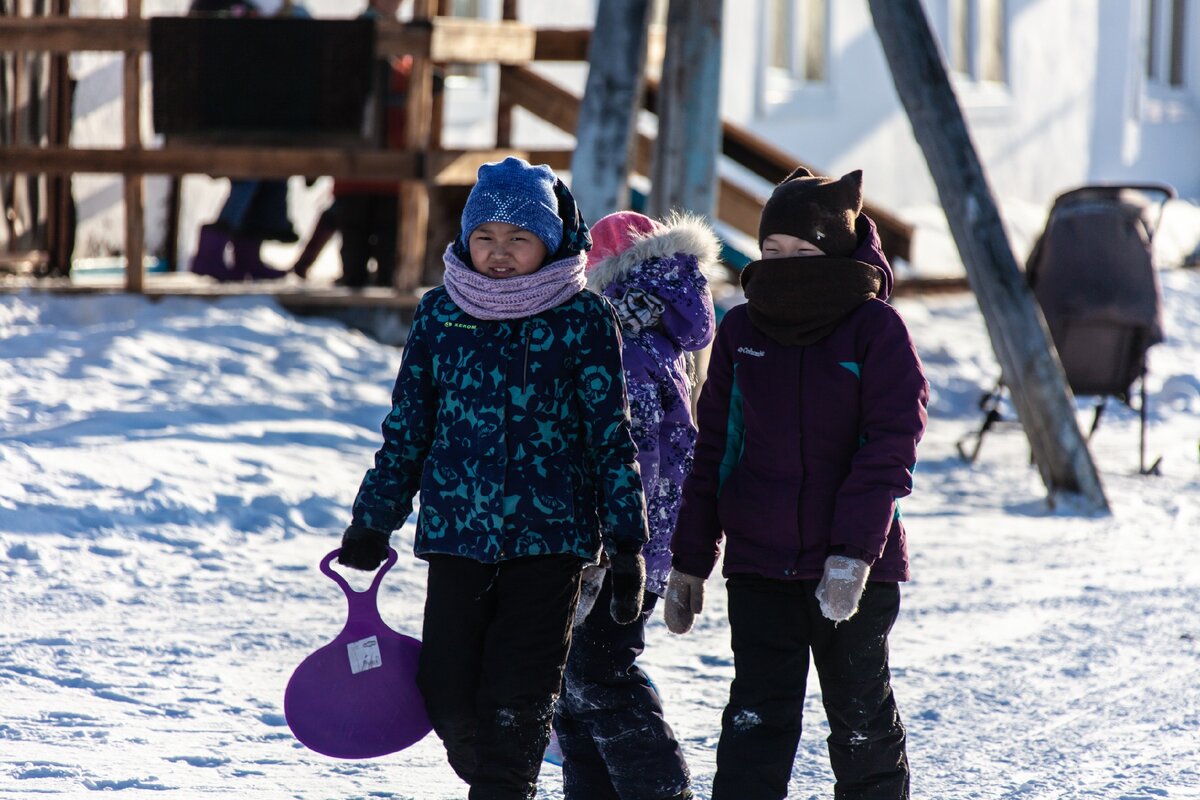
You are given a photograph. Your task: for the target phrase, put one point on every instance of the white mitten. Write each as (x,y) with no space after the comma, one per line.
(593,579)
(685,599)
(841,587)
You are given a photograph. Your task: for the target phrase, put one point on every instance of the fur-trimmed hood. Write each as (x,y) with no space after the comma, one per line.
(686,234)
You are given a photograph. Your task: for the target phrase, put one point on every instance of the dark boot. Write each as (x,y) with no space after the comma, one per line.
(210,254)
(248,264)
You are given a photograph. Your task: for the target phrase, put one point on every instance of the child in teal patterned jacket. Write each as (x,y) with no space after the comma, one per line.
(509,416)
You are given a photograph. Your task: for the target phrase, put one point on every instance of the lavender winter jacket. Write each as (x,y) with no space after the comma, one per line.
(669,265)
(804,451)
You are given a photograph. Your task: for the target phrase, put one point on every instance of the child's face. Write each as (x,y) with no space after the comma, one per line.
(501,250)
(783,245)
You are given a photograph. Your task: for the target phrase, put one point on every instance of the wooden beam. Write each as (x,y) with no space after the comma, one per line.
(458,40)
(412,224)
(443,167)
(544,98)
(60,230)
(440,38)
(300,297)
(562,44)
(1018,332)
(474,41)
(459,167)
(394,38)
(233,162)
(135,233)
(29,259)
(73,34)
(739,208)
(508,11)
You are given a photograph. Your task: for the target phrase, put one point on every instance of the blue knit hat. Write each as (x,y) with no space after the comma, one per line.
(516,192)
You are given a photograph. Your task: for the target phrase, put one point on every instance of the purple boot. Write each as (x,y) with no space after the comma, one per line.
(248,264)
(210,254)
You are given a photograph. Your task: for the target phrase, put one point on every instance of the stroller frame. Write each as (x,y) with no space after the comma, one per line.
(1092,272)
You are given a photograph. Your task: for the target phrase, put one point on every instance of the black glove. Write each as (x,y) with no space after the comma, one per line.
(628,584)
(363,548)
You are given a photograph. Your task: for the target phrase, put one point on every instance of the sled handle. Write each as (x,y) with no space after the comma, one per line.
(346,587)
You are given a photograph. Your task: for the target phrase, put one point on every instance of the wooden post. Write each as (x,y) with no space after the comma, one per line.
(413,224)
(608,115)
(1028,361)
(689,122)
(134,222)
(504,110)
(59,229)
(16,201)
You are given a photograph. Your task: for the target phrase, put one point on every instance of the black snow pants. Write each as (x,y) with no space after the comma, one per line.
(615,743)
(495,640)
(774,625)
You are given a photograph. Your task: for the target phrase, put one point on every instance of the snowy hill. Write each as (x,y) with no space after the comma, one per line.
(171,473)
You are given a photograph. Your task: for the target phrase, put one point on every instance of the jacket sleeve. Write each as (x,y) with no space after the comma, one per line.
(608,438)
(385,497)
(895,396)
(696,544)
(688,318)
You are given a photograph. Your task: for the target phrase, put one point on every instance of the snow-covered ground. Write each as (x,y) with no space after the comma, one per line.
(171,473)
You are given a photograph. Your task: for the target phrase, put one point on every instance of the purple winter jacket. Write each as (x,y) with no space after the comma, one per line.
(804,451)
(668,264)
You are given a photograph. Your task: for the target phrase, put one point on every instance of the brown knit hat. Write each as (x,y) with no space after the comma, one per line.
(819,210)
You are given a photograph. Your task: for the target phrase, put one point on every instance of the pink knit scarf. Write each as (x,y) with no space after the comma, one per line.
(513,298)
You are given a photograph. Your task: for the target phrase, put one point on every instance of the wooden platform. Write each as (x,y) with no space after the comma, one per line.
(297,295)
(289,292)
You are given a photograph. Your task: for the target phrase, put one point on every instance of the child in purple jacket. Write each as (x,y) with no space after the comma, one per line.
(609,720)
(809,423)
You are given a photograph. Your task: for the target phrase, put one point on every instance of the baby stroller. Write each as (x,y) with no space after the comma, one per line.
(1092,272)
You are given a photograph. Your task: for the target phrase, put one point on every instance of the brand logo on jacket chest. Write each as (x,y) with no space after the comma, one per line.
(750,351)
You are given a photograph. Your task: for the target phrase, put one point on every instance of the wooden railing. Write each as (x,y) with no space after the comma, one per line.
(428,39)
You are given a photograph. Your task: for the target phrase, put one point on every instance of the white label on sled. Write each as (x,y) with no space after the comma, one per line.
(364,655)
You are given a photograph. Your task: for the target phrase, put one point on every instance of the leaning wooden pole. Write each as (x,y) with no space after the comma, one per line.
(604,134)
(1018,332)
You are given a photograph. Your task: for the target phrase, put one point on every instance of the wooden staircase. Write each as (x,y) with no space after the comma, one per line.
(736,207)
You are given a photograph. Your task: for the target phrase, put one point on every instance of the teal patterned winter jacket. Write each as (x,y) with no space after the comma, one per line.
(516,433)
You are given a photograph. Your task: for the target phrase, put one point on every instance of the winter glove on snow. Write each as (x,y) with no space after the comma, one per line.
(363,548)
(593,580)
(628,584)
(685,599)
(841,587)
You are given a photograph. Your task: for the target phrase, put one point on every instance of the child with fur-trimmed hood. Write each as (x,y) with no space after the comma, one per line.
(609,719)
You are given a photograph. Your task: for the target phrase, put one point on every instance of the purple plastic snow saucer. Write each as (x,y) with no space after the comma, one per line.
(357,696)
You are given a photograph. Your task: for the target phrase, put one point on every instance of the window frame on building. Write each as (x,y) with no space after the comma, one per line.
(795,52)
